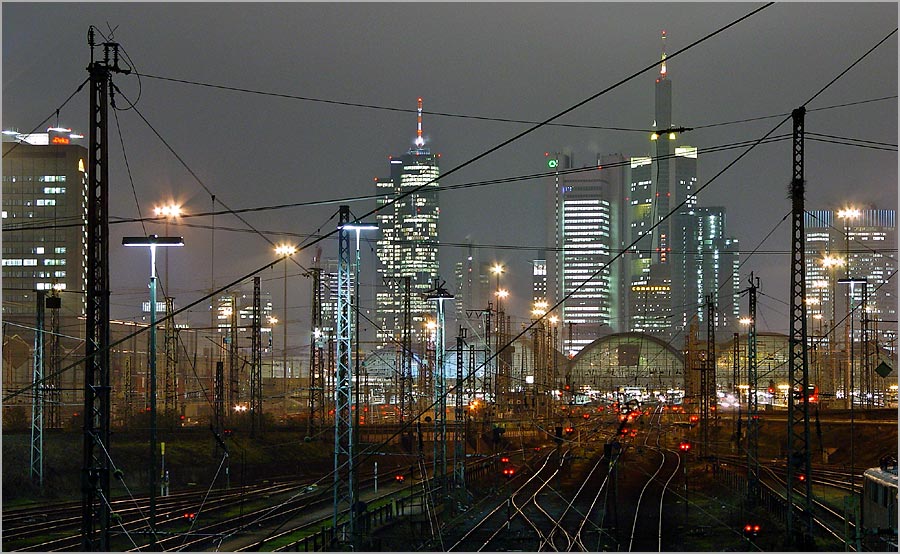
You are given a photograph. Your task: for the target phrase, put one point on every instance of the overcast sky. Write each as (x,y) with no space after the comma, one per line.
(506,60)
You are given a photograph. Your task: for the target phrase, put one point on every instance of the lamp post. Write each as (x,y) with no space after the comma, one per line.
(153,241)
(285,251)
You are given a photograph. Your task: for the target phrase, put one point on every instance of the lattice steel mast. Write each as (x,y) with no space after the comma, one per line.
(37,400)
(798,416)
(344,472)
(752,400)
(256,407)
(95,469)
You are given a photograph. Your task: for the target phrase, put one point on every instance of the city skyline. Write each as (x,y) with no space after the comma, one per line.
(485,213)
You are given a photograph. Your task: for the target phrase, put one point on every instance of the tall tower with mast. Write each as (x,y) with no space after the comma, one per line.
(408,245)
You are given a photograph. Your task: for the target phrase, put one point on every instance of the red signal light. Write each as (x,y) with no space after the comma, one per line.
(190,516)
(399,478)
(684,446)
(508,472)
(586,416)
(504,460)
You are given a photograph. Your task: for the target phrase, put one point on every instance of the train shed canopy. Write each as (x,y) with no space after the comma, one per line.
(628,360)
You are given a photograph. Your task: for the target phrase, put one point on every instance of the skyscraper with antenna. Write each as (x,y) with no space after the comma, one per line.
(408,246)
(659,182)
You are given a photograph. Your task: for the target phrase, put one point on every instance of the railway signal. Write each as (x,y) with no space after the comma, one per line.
(751,530)
(504,460)
(508,472)
(190,516)
(399,477)
(685,446)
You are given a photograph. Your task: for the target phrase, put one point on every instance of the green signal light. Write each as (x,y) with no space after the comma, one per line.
(552,163)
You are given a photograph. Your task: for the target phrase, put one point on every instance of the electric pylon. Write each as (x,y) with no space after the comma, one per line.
(798,416)
(95,511)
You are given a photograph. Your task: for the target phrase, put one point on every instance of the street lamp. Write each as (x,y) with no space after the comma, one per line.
(357,226)
(153,241)
(285,251)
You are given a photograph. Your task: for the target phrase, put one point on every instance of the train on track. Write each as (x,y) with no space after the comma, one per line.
(879,500)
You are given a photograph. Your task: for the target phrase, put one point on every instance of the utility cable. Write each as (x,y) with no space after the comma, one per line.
(193,174)
(128,166)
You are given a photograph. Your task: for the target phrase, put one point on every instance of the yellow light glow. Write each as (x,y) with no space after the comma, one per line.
(168,211)
(832,261)
(502,293)
(285,250)
(497,269)
(654,136)
(671,136)
(849,213)
(746,321)
(553,319)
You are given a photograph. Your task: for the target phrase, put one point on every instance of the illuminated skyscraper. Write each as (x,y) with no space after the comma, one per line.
(872,249)
(586,234)
(409,238)
(658,271)
(44,219)
(707,265)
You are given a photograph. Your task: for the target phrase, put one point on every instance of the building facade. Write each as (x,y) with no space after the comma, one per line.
(587,233)
(868,239)
(408,246)
(44,219)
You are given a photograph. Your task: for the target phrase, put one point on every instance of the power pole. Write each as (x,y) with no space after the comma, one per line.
(37,401)
(798,416)
(459,416)
(344,470)
(256,408)
(752,400)
(709,372)
(735,390)
(439,294)
(234,390)
(53,359)
(316,353)
(95,510)
(171,376)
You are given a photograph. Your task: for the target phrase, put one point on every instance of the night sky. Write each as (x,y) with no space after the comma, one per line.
(507,60)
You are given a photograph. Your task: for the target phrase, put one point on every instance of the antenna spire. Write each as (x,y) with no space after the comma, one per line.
(662,65)
(419,140)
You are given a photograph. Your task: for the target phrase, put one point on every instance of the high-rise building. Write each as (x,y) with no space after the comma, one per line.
(663,276)
(408,246)
(872,246)
(539,280)
(708,263)
(44,219)
(587,233)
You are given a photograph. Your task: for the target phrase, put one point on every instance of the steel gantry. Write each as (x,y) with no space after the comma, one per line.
(439,294)
(53,358)
(37,400)
(344,472)
(752,399)
(256,408)
(170,380)
(95,511)
(798,467)
(459,420)
(316,348)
